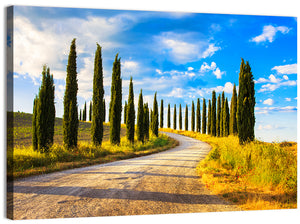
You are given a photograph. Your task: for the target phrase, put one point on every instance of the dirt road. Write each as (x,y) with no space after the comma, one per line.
(165,182)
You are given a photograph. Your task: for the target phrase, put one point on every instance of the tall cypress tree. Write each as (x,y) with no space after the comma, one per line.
(130,120)
(218,115)
(84,112)
(174,118)
(98,109)
(70,117)
(213,114)
(90,111)
(161,123)
(193,117)
(154,124)
(204,117)
(186,120)
(198,116)
(222,112)
(34,125)
(140,119)
(80,118)
(104,110)
(209,118)
(245,104)
(116,102)
(226,119)
(125,112)
(180,118)
(146,122)
(169,116)
(233,109)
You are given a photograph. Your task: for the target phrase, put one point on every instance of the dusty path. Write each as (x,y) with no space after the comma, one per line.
(165,182)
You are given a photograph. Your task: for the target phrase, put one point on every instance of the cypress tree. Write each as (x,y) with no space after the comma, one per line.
(180,117)
(204,117)
(233,109)
(198,117)
(154,124)
(213,114)
(84,112)
(80,116)
(209,118)
(34,126)
(169,116)
(146,122)
(116,102)
(218,115)
(174,118)
(193,117)
(98,108)
(70,117)
(125,112)
(90,111)
(226,119)
(245,104)
(45,112)
(140,119)
(222,112)
(161,123)
(186,120)
(130,120)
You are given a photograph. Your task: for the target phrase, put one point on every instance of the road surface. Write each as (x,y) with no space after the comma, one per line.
(160,183)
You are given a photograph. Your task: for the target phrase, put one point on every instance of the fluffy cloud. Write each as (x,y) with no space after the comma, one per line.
(272,87)
(272,79)
(286,69)
(212,67)
(269,102)
(269,33)
(266,110)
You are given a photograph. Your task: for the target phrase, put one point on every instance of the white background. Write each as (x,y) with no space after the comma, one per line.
(251,7)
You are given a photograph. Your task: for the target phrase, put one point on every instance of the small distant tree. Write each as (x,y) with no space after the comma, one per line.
(218,115)
(130,120)
(226,119)
(169,116)
(233,109)
(34,126)
(213,114)
(180,117)
(140,119)
(193,117)
(80,115)
(125,112)
(84,112)
(174,118)
(186,120)
(209,118)
(204,117)
(161,123)
(198,116)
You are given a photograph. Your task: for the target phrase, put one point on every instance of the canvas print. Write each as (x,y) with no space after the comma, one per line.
(122,112)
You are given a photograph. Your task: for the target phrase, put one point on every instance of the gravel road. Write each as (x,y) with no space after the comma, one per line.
(160,183)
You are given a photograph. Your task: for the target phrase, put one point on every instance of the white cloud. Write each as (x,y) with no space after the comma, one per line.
(129,68)
(272,79)
(285,77)
(218,73)
(176,92)
(288,99)
(269,33)
(266,127)
(267,110)
(210,51)
(212,67)
(272,87)
(190,68)
(286,69)
(227,88)
(269,102)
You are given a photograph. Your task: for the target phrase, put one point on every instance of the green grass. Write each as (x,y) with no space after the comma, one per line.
(257,175)
(24,161)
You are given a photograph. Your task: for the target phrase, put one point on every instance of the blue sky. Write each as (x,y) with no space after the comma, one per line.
(182,56)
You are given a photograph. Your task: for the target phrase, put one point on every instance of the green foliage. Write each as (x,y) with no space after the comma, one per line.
(116,102)
(70,117)
(140,119)
(213,114)
(90,111)
(84,112)
(154,123)
(130,120)
(186,118)
(146,122)
(198,116)
(104,110)
(125,112)
(175,118)
(180,118)
(209,118)
(245,104)
(233,110)
(193,117)
(169,116)
(98,109)
(218,128)
(221,115)
(34,126)
(161,122)
(204,117)
(225,119)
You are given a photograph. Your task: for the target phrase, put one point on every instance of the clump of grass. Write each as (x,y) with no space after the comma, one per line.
(24,161)
(257,175)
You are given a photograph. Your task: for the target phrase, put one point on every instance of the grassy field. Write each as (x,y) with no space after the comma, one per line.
(256,176)
(24,161)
